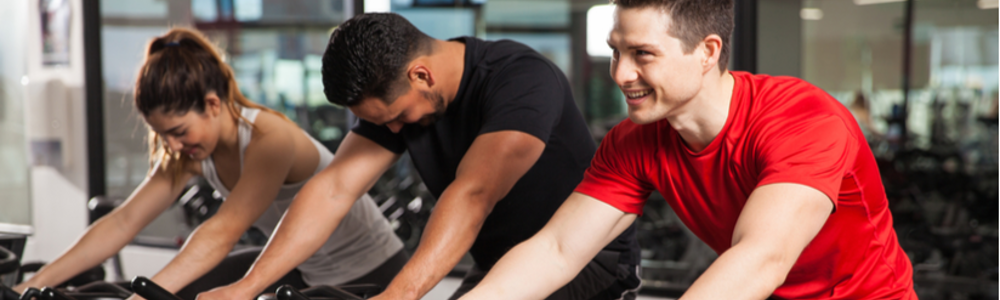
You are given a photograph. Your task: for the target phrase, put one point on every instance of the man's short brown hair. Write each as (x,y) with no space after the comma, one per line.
(693,20)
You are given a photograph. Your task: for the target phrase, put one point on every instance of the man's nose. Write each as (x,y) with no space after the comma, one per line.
(623,72)
(395,126)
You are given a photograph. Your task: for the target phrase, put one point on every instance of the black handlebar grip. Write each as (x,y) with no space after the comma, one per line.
(104,287)
(49,293)
(287,292)
(31,293)
(8,261)
(329,292)
(144,287)
(7,293)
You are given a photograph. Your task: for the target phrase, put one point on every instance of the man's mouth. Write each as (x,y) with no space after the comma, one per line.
(638,94)
(636,97)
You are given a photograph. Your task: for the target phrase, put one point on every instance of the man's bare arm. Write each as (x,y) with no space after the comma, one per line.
(776,224)
(551,258)
(491,167)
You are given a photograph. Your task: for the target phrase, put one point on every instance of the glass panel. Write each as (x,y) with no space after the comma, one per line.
(856,48)
(954,85)
(441,23)
(941,181)
(527,14)
(952,157)
(15,204)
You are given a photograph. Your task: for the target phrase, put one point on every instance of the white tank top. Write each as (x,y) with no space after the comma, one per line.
(363,240)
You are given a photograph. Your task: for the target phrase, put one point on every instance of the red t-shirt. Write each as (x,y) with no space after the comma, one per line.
(779,129)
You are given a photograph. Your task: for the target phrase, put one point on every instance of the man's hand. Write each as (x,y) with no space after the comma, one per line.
(229,292)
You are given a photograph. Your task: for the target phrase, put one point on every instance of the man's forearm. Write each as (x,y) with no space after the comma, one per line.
(552,257)
(742,272)
(449,234)
(306,225)
(539,256)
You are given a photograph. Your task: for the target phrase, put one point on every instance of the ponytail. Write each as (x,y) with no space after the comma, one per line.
(181,67)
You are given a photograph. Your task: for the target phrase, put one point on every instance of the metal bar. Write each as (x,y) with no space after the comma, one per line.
(94,76)
(744,39)
(907,70)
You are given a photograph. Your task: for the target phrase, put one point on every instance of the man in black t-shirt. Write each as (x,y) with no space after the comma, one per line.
(494,133)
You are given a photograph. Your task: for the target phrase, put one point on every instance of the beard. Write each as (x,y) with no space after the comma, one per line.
(439,108)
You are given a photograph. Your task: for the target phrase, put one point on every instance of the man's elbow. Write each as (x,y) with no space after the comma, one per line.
(483,196)
(774,264)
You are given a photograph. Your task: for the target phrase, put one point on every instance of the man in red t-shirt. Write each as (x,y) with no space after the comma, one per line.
(771,172)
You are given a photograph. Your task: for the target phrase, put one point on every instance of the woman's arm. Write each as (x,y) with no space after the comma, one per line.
(267,161)
(314,214)
(112,232)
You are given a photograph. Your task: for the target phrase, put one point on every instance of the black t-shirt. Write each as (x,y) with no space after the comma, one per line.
(506,86)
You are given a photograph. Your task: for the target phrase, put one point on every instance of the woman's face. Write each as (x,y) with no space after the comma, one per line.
(190,133)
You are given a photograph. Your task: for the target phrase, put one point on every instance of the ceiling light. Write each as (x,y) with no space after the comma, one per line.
(811,14)
(380,6)
(600,20)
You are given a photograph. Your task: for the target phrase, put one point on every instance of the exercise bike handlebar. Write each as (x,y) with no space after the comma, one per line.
(31,293)
(287,292)
(49,293)
(8,261)
(146,288)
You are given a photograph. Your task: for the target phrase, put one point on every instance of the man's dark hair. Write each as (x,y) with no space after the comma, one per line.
(367,56)
(693,20)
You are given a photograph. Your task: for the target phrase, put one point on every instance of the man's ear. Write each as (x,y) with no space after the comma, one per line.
(213,105)
(419,74)
(711,48)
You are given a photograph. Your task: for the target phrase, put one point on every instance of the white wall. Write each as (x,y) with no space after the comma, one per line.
(54,111)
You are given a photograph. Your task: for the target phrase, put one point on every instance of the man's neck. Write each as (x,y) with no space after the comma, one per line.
(449,57)
(700,120)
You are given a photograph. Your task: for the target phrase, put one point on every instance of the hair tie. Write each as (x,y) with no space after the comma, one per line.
(173,44)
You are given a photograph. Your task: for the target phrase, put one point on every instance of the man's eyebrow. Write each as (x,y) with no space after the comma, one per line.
(633,45)
(640,46)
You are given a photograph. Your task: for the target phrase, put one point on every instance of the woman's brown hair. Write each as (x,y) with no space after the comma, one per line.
(181,67)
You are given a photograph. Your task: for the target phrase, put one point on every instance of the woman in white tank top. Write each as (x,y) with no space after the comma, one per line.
(201,125)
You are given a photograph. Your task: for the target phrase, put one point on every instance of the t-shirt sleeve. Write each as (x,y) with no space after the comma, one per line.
(528,96)
(817,153)
(380,135)
(614,176)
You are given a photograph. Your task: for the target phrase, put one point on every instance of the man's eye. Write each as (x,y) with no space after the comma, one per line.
(640,52)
